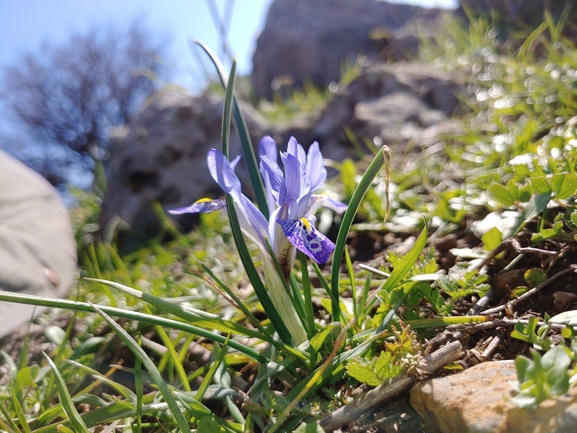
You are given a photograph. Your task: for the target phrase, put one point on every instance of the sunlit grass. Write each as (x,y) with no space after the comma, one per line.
(193,319)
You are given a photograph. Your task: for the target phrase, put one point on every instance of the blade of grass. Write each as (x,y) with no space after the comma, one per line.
(138,389)
(352,281)
(220,284)
(173,356)
(200,392)
(226,116)
(131,315)
(247,148)
(152,370)
(254,277)
(308,302)
(198,317)
(8,418)
(347,221)
(66,399)
(246,259)
(18,408)
(406,263)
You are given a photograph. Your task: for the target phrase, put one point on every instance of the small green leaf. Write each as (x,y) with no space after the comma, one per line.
(501,194)
(363,372)
(534,276)
(25,377)
(208,424)
(563,185)
(574,218)
(540,184)
(525,193)
(513,189)
(492,239)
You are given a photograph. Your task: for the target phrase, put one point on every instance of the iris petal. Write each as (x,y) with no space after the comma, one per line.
(316,170)
(297,182)
(222,172)
(274,175)
(267,146)
(302,234)
(201,205)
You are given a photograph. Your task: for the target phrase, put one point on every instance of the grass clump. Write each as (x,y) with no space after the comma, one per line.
(176,337)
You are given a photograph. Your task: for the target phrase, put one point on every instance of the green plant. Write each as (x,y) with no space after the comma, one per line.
(541,377)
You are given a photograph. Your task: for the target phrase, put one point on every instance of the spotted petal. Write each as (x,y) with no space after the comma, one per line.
(302,234)
(201,205)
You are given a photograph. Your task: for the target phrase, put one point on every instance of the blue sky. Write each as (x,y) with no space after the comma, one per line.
(25,24)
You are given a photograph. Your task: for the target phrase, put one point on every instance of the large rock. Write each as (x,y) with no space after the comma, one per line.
(397,105)
(312,39)
(473,401)
(161,157)
(37,247)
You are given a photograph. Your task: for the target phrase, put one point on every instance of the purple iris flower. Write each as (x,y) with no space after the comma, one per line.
(292,197)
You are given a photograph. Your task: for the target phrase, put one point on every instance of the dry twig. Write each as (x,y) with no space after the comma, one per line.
(382,393)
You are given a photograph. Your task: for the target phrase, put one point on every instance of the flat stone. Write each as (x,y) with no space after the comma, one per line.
(473,401)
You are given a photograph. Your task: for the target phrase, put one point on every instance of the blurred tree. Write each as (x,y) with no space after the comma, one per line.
(69,95)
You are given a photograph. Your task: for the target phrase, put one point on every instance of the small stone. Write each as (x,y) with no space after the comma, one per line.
(473,401)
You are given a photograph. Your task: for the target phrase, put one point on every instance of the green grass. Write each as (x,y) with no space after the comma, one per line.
(197,348)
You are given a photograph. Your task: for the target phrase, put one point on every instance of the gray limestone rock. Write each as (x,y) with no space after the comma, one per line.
(310,40)
(160,157)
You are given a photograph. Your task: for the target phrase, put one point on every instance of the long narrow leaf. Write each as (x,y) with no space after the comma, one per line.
(152,370)
(131,315)
(18,407)
(346,223)
(247,148)
(227,112)
(220,284)
(199,318)
(309,314)
(66,399)
(406,263)
(139,389)
(253,275)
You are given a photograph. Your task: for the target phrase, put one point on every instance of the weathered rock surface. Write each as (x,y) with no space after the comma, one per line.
(161,157)
(390,104)
(472,401)
(312,39)
(37,247)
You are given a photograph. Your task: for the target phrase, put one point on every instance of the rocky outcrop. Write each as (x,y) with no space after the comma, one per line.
(312,39)
(161,157)
(397,104)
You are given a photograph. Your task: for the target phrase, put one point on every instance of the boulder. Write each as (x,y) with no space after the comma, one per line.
(393,104)
(474,401)
(310,40)
(37,247)
(160,157)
